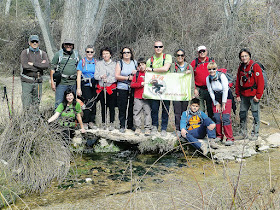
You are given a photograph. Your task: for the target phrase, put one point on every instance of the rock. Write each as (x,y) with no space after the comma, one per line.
(88,180)
(224,156)
(274,140)
(103,142)
(263,148)
(77,140)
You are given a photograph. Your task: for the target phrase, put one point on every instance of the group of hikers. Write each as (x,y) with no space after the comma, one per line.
(79,83)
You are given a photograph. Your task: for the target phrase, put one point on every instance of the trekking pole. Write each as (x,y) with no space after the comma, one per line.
(127,108)
(13,86)
(38,74)
(7,100)
(105,99)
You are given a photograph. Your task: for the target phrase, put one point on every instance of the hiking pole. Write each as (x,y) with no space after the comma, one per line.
(13,86)
(127,108)
(105,99)
(7,100)
(38,74)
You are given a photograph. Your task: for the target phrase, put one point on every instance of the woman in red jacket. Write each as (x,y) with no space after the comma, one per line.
(249,90)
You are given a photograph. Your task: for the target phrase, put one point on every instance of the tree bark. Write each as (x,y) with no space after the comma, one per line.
(45,28)
(7,9)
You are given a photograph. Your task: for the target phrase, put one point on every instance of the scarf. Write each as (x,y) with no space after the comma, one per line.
(33,50)
(214,77)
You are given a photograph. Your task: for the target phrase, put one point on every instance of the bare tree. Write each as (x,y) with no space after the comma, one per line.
(44,27)
(7,9)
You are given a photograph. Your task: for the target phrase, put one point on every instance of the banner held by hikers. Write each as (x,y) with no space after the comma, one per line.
(167,86)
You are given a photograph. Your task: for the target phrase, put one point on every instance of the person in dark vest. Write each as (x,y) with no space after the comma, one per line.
(33,62)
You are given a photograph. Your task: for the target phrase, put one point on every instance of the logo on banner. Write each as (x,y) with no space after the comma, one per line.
(157,85)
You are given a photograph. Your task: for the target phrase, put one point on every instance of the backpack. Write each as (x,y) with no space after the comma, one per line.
(61,56)
(152,60)
(198,114)
(196,62)
(228,76)
(252,71)
(188,68)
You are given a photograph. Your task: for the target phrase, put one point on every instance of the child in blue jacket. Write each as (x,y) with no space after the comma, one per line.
(195,124)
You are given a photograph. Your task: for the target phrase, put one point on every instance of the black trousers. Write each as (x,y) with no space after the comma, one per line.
(125,97)
(179,108)
(88,94)
(110,102)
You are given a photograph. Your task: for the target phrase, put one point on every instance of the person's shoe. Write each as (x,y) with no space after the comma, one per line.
(111,127)
(218,139)
(147,132)
(163,133)
(132,128)
(229,143)
(241,137)
(85,126)
(154,130)
(137,131)
(253,137)
(91,125)
(213,144)
(122,130)
(204,149)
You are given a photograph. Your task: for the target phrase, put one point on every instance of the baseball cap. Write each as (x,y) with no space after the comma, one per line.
(201,48)
(34,38)
(68,41)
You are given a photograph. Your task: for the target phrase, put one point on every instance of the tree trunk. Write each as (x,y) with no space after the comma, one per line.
(70,26)
(44,27)
(7,9)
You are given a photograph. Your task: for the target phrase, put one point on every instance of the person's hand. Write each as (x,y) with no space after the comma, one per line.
(83,130)
(30,63)
(223,107)
(184,132)
(148,69)
(142,83)
(238,99)
(196,93)
(218,108)
(53,86)
(134,72)
(130,77)
(79,92)
(188,71)
(104,77)
(256,99)
(44,61)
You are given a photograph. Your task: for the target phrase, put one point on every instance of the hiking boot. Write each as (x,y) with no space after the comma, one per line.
(132,128)
(111,127)
(213,144)
(154,130)
(204,149)
(229,143)
(85,126)
(253,137)
(91,125)
(103,126)
(163,133)
(241,137)
(218,140)
(147,132)
(137,131)
(122,130)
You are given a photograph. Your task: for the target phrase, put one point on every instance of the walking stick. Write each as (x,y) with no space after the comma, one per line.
(127,108)
(13,86)
(105,99)
(38,74)
(7,100)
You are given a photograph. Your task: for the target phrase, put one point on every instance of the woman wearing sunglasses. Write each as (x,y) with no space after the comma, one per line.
(86,86)
(125,69)
(181,66)
(217,85)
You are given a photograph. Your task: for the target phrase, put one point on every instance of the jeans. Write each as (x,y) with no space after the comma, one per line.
(30,95)
(164,117)
(205,97)
(179,108)
(200,133)
(59,93)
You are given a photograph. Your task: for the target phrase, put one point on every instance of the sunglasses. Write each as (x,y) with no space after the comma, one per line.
(126,52)
(214,69)
(34,41)
(180,55)
(90,51)
(201,51)
(158,46)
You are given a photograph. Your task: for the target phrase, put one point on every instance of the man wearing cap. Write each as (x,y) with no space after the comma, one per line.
(33,62)
(200,73)
(64,62)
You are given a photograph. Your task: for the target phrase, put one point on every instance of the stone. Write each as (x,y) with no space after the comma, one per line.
(224,156)
(274,140)
(88,180)
(263,148)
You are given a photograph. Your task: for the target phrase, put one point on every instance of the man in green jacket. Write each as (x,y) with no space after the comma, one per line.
(64,61)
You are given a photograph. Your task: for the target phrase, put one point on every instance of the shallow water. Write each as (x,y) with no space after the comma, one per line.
(128,179)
